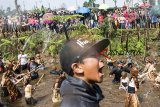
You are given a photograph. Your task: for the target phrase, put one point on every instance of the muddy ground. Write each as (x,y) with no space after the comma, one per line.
(148,96)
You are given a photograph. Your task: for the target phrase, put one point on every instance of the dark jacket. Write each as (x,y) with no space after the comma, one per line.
(77,93)
(117,72)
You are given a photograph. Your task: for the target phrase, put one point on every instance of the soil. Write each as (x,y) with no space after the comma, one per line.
(148,96)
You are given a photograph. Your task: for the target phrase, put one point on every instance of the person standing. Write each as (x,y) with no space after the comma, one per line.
(79,59)
(124,81)
(133,86)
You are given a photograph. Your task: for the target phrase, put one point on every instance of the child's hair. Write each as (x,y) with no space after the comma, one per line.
(32,58)
(135,81)
(134,72)
(54,67)
(124,75)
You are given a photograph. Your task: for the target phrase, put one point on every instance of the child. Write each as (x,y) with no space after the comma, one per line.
(80,60)
(29,94)
(56,92)
(110,62)
(40,61)
(133,86)
(124,81)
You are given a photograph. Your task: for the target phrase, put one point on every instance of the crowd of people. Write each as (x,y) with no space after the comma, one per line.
(122,18)
(125,18)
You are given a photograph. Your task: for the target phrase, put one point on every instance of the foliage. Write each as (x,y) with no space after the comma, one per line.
(90,3)
(135,47)
(65,18)
(36,41)
(106,28)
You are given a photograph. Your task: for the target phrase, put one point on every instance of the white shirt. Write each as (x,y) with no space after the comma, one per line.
(131,83)
(126,80)
(28,89)
(23,59)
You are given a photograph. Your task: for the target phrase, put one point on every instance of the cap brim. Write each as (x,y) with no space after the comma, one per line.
(99,46)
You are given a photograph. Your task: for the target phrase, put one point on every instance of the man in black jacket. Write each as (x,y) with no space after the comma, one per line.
(117,71)
(80,60)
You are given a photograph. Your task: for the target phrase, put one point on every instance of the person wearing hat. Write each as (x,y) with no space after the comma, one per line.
(80,60)
(116,71)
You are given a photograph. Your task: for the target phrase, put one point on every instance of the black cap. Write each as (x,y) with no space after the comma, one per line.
(74,49)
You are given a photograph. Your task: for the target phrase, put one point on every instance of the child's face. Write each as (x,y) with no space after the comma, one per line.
(92,67)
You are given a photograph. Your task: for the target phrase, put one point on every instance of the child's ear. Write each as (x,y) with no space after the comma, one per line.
(77,68)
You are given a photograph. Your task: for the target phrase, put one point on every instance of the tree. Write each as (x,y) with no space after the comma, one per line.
(90,3)
(63,5)
(85,4)
(8,10)
(152,2)
(16,5)
(2,12)
(115,1)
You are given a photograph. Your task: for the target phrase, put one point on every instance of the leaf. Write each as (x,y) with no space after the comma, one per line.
(6,41)
(23,38)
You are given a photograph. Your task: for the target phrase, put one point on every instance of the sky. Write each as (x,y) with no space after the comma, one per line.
(29,4)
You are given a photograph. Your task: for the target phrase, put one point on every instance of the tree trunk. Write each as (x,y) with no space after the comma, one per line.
(127,43)
(145,43)
(16,5)
(139,33)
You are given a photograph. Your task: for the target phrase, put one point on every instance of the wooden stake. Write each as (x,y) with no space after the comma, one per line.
(40,79)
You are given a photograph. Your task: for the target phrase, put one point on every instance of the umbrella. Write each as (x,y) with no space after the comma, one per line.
(83,10)
(103,6)
(47,15)
(46,18)
(72,8)
(155,10)
(143,5)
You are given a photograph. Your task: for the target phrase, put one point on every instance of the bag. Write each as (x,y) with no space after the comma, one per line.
(34,75)
(54,72)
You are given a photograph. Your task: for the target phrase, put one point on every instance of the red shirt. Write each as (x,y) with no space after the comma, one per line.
(125,14)
(101,18)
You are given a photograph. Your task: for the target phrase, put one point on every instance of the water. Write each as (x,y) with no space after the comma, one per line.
(47,36)
(26,42)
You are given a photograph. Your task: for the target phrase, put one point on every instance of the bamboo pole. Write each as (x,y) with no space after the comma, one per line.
(39,80)
(26,74)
